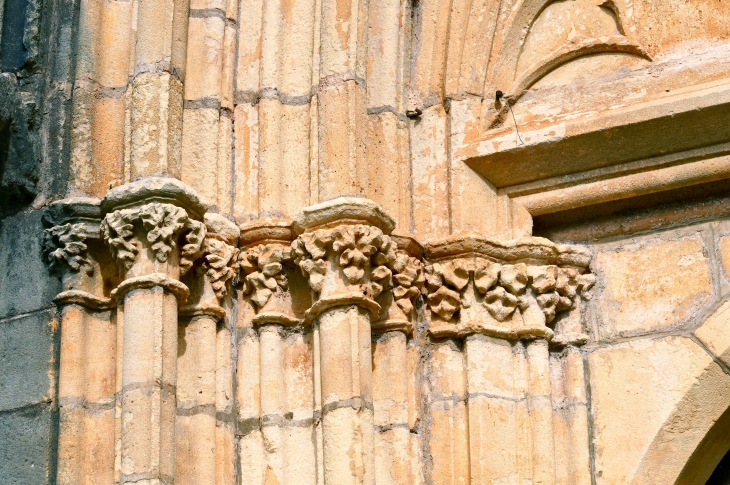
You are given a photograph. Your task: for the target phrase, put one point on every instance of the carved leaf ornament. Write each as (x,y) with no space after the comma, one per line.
(65,245)
(408,280)
(163,223)
(263,267)
(358,249)
(220,264)
(504,288)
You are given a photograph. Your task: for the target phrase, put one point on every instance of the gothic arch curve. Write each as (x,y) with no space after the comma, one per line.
(696,436)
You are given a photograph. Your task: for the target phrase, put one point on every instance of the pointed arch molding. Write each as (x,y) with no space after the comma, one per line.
(506,75)
(696,435)
(633,124)
(505,40)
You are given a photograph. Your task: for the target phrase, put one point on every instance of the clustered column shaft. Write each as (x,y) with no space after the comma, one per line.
(73,246)
(329,356)
(513,307)
(144,226)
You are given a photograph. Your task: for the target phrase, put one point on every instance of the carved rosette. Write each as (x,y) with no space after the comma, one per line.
(158,226)
(481,286)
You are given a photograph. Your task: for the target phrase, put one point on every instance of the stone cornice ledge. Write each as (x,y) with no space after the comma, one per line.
(534,250)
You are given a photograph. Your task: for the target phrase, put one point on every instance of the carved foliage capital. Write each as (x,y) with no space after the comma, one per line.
(503,289)
(363,253)
(408,281)
(161,224)
(262,271)
(220,262)
(65,246)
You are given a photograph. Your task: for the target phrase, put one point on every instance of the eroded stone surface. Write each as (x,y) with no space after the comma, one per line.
(351,358)
(635,386)
(652,283)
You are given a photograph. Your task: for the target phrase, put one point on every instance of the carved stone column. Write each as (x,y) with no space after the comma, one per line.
(152,227)
(394,356)
(209,281)
(72,246)
(509,301)
(344,250)
(278,294)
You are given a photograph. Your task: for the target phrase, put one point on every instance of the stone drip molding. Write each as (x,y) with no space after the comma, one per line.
(524,289)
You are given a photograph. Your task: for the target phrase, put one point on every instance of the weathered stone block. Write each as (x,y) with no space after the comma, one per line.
(652,283)
(635,386)
(715,333)
(25,284)
(26,360)
(25,446)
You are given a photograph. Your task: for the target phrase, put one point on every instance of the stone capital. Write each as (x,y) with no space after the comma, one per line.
(398,303)
(152,226)
(345,251)
(210,280)
(266,271)
(524,289)
(72,247)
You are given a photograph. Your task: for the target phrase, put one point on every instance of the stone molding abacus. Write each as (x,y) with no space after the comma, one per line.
(512,290)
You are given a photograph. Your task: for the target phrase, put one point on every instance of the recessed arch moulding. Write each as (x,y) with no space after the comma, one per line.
(598,90)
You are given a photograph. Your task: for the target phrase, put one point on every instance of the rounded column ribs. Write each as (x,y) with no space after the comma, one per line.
(320,350)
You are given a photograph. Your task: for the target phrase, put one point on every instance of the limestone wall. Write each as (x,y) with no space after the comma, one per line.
(364,241)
